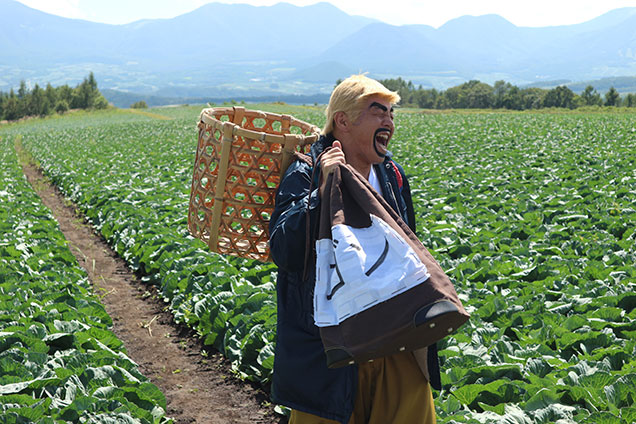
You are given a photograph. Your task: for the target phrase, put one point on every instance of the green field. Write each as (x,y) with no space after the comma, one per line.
(59,362)
(531,215)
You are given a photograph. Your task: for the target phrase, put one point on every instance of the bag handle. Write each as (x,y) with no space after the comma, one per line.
(308,232)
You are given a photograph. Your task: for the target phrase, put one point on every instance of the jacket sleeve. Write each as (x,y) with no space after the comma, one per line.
(405,192)
(406,195)
(287,227)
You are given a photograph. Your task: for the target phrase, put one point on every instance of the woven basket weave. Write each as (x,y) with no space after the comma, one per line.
(241,156)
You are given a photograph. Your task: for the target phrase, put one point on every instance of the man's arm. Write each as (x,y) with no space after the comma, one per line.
(287,227)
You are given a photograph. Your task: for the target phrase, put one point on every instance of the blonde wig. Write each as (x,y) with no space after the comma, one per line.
(349,97)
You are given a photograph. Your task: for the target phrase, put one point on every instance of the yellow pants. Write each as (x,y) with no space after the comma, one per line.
(391,390)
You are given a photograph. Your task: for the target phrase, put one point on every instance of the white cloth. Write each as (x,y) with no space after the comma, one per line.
(361,267)
(373,180)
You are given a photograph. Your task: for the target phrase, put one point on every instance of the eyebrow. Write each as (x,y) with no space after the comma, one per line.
(381,106)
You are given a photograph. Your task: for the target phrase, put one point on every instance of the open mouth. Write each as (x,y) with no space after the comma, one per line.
(381,141)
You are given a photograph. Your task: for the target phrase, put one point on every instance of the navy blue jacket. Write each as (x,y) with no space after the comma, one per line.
(301,378)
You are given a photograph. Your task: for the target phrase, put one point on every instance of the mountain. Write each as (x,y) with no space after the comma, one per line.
(214,46)
(488,47)
(235,32)
(31,37)
(621,84)
(240,32)
(242,51)
(379,47)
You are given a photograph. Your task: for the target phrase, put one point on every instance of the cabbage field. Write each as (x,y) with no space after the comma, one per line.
(531,214)
(58,360)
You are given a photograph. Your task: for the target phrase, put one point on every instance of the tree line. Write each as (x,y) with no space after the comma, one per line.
(503,95)
(40,101)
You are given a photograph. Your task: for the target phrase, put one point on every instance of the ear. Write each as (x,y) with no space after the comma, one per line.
(341,121)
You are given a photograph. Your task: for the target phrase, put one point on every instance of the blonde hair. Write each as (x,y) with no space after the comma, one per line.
(349,96)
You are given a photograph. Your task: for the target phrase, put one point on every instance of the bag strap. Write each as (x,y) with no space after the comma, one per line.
(308,232)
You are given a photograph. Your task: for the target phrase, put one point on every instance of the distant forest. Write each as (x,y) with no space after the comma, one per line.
(503,95)
(474,94)
(40,101)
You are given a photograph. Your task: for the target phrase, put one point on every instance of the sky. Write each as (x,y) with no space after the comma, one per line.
(532,13)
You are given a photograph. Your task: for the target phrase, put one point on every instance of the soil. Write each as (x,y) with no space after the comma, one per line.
(198,383)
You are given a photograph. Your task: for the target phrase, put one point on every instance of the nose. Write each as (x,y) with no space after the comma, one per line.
(388,122)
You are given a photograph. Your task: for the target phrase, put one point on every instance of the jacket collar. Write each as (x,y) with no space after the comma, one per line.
(319,146)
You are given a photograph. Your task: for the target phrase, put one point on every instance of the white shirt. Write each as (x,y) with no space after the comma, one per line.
(373,180)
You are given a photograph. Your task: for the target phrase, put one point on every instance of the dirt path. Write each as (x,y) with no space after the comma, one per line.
(199,387)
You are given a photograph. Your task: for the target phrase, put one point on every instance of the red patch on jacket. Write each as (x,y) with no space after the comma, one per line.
(398,175)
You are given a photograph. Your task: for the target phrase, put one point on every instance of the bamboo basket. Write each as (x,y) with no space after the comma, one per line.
(241,157)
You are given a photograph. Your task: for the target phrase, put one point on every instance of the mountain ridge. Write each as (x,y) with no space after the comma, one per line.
(234,49)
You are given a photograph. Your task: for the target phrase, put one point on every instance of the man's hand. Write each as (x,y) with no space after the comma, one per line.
(329,161)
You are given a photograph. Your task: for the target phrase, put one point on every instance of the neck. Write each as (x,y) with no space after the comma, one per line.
(364,169)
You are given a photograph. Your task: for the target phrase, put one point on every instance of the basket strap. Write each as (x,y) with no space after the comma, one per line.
(285,123)
(291,141)
(226,147)
(239,114)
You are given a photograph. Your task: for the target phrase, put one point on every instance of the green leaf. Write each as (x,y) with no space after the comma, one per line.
(515,415)
(15,388)
(575,322)
(554,413)
(499,409)
(488,373)
(491,394)
(603,418)
(266,356)
(542,399)
(623,392)
(59,341)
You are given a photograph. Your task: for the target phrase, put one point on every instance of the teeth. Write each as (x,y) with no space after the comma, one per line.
(383,137)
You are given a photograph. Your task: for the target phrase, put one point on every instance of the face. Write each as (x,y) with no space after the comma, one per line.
(371,132)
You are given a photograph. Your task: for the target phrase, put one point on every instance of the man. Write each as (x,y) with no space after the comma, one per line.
(391,390)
